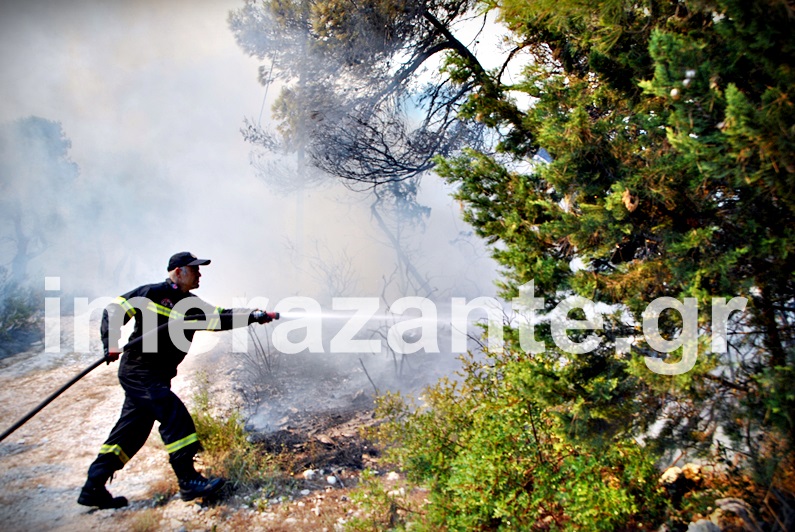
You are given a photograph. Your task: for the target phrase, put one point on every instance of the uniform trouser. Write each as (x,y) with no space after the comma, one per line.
(147,400)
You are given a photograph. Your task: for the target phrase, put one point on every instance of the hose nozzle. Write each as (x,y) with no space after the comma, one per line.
(260,315)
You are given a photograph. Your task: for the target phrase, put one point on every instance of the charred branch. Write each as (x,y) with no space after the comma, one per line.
(378,148)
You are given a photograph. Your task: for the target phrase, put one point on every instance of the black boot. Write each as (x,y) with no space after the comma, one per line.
(198,486)
(95,494)
(191,483)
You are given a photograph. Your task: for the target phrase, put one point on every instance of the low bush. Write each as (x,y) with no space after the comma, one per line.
(493,458)
(227,451)
(21,312)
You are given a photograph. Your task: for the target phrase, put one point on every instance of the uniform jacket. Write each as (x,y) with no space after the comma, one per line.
(180,314)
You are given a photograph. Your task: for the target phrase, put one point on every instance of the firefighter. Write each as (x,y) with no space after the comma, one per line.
(155,348)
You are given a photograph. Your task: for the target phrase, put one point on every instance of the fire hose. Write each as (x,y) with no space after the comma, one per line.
(256,315)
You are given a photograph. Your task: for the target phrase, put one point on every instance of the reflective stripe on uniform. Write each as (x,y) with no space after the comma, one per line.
(180,444)
(158,309)
(215,322)
(114,449)
(124,304)
(163,311)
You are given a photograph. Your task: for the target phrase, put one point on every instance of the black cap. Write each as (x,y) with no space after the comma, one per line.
(185,258)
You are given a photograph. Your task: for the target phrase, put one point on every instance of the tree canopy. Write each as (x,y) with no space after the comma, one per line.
(36,169)
(671,133)
(356,90)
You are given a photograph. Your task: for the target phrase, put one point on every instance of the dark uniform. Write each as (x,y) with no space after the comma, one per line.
(156,347)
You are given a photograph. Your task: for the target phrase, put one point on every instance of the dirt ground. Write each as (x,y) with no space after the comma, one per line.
(313,414)
(43,464)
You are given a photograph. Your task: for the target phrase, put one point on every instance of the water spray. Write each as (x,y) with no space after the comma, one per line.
(325,316)
(341,316)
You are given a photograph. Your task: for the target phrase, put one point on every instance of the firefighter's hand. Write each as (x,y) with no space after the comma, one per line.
(112,356)
(260,316)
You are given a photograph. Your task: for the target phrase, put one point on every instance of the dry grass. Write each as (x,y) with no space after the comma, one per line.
(147,520)
(162,489)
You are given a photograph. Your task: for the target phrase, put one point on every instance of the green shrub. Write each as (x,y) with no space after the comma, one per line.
(227,450)
(20,310)
(380,509)
(493,458)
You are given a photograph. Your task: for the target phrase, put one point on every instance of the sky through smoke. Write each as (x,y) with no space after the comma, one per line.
(152,96)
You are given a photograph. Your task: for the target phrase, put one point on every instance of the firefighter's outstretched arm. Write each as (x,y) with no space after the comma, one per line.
(223,319)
